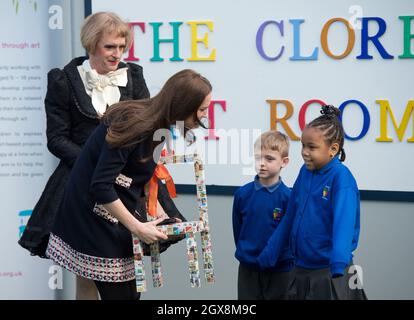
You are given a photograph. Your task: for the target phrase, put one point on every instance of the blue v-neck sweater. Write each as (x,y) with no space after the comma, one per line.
(257,212)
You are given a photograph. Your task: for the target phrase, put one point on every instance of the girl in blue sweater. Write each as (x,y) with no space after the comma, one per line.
(323,219)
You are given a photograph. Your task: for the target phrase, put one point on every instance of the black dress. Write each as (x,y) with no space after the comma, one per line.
(85,238)
(71,118)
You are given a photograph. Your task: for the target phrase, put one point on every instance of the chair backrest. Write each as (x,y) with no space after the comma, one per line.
(199,180)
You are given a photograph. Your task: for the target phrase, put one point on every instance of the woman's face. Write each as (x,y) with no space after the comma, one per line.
(108,52)
(202,112)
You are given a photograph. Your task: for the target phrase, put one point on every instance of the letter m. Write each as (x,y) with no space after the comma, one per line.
(400,130)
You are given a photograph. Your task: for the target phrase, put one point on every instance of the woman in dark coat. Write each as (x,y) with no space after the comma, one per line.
(76,98)
(92,234)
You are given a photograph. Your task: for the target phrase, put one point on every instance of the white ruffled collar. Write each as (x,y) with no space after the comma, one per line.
(102,88)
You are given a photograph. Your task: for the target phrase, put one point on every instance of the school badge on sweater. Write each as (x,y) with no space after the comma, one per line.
(325,192)
(277,214)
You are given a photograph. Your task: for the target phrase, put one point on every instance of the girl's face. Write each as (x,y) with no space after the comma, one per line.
(108,52)
(315,151)
(202,112)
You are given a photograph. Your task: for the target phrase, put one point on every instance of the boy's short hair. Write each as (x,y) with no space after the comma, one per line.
(273,140)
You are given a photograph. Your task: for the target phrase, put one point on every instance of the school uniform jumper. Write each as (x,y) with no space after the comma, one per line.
(323,224)
(257,212)
(85,238)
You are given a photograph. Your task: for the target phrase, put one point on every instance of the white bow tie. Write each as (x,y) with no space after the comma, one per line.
(104,87)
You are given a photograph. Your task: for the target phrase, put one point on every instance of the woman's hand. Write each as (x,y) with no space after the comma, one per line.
(148,231)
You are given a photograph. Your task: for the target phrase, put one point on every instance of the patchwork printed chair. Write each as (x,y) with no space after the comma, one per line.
(189,229)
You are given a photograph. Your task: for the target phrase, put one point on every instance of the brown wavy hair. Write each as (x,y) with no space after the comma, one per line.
(129,122)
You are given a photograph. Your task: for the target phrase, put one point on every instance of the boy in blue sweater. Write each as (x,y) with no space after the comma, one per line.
(258,208)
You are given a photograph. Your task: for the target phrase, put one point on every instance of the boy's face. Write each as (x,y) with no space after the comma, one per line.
(268,163)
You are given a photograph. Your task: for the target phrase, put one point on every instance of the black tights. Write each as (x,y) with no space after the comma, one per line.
(118,290)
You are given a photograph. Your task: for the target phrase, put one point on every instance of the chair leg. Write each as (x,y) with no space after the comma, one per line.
(207,256)
(157,278)
(139,265)
(192,257)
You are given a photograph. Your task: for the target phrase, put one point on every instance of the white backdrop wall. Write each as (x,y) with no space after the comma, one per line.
(245,80)
(237,64)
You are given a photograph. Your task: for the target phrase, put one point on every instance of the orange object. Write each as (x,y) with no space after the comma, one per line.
(161,173)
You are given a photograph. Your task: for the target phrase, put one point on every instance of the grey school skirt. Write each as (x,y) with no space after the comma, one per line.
(319,285)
